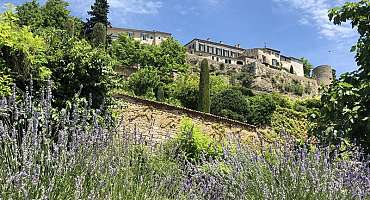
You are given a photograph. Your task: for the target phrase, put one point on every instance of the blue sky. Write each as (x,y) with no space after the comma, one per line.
(298,28)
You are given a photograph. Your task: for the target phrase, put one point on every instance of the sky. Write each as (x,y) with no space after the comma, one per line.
(298,28)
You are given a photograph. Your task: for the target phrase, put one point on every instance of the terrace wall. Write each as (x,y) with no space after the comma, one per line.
(159,121)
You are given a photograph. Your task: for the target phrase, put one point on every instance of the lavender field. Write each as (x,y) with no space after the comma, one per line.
(78,153)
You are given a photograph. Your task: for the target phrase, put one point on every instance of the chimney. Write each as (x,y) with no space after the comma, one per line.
(237,45)
(221,42)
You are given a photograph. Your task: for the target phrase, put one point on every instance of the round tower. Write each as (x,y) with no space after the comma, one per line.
(323,74)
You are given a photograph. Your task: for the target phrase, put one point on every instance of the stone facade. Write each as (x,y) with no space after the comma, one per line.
(145,37)
(218,52)
(159,121)
(323,74)
(274,59)
(266,79)
(229,54)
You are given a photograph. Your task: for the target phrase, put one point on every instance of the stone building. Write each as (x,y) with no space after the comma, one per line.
(145,37)
(274,59)
(217,51)
(229,54)
(323,74)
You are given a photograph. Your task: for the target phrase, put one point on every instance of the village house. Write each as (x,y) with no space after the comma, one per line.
(229,54)
(217,51)
(145,37)
(274,59)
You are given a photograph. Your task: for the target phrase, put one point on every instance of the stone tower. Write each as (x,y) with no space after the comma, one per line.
(323,74)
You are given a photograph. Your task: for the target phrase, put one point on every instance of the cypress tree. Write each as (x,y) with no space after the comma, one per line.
(99,35)
(99,14)
(160,94)
(204,91)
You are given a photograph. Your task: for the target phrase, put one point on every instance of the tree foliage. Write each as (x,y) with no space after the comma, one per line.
(168,57)
(204,88)
(307,67)
(346,111)
(144,81)
(99,35)
(22,54)
(99,15)
(55,14)
(79,68)
(30,14)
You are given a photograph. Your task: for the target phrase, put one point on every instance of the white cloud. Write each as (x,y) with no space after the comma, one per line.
(315,12)
(123,7)
(137,6)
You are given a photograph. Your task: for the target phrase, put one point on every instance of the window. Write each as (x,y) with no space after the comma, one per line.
(226,53)
(210,50)
(264,59)
(274,62)
(202,47)
(130,34)
(151,37)
(219,51)
(159,37)
(144,36)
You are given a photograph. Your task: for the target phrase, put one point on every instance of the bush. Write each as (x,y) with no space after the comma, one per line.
(143,81)
(294,87)
(260,109)
(194,144)
(292,122)
(230,102)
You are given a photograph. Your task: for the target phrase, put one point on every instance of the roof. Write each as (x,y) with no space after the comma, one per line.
(216,43)
(296,59)
(274,50)
(286,57)
(115,29)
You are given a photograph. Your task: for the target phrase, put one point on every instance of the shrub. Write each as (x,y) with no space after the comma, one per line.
(194,144)
(144,80)
(230,101)
(292,122)
(260,109)
(294,87)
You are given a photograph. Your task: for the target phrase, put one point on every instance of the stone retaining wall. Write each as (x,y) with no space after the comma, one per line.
(266,79)
(159,121)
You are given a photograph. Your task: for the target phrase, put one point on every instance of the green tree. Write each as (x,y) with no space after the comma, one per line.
(260,110)
(30,14)
(171,57)
(22,54)
(230,103)
(144,81)
(307,67)
(99,35)
(74,64)
(55,14)
(168,57)
(126,51)
(99,14)
(345,112)
(204,88)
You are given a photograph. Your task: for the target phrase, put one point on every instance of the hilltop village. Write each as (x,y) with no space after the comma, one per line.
(234,56)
